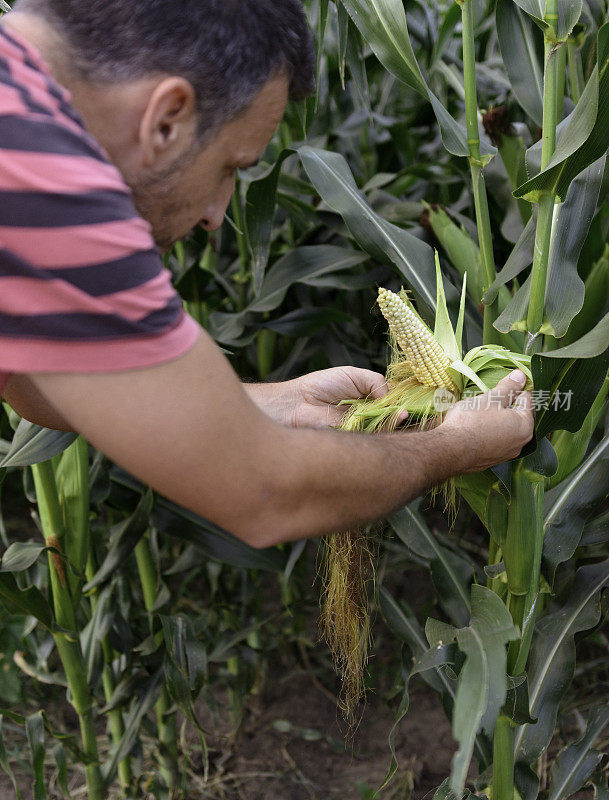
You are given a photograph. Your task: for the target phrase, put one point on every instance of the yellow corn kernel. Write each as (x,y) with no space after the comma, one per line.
(428,360)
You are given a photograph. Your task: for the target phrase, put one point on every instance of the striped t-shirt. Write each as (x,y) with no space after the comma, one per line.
(82,284)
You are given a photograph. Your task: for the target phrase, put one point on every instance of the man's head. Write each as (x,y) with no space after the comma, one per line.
(180,94)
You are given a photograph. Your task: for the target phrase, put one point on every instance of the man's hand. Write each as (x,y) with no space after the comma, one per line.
(312,401)
(494,426)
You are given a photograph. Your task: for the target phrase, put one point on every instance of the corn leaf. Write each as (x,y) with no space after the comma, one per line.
(552,660)
(383,25)
(29,601)
(519,259)
(519,50)
(576,763)
(568,13)
(146,697)
(260,202)
(565,289)
(34,728)
(583,135)
(571,385)
(5,763)
(451,573)
(303,322)
(570,447)
(123,538)
(59,754)
(213,542)
(414,259)
(20,556)
(595,301)
(32,444)
(403,623)
(570,504)
(443,330)
(482,681)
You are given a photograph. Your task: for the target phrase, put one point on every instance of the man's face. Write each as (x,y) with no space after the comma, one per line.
(197,188)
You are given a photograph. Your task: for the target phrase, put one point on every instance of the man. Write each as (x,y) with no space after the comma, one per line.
(174,100)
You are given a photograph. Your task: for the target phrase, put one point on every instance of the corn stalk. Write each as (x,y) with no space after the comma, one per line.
(553,80)
(67,636)
(476,165)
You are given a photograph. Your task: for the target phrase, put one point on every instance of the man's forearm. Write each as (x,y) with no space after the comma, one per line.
(276,400)
(333,481)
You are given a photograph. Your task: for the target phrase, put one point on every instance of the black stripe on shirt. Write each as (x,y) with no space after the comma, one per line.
(59,210)
(44,136)
(83,327)
(96,280)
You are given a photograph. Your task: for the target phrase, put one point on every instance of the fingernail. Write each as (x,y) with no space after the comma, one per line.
(518,376)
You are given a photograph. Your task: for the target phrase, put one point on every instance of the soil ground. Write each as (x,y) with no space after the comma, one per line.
(291,746)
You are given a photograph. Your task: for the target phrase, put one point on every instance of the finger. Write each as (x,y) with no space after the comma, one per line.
(368,383)
(524,402)
(508,390)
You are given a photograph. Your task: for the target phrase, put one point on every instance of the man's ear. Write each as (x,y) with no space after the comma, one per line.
(169,123)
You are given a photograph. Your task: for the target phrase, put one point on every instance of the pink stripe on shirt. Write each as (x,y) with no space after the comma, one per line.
(31,297)
(78,246)
(28,355)
(53,172)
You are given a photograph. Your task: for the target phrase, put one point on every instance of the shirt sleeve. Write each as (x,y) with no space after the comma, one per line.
(82,285)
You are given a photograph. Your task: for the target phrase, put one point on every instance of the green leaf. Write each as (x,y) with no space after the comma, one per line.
(443,330)
(28,601)
(383,25)
(303,322)
(139,709)
(564,288)
(595,301)
(32,444)
(570,448)
(213,542)
(583,135)
(576,763)
(300,265)
(451,573)
(570,504)
(516,36)
(552,659)
(482,681)
(5,763)
(123,539)
(21,556)
(59,754)
(568,13)
(260,200)
(34,727)
(571,384)
(387,243)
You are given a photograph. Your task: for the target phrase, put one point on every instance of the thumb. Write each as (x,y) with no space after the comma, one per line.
(509,388)
(368,383)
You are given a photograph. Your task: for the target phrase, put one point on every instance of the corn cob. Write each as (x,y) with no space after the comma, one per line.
(428,360)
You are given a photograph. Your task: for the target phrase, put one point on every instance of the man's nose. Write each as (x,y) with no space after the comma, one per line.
(216,211)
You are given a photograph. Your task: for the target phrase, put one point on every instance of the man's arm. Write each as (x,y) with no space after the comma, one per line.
(311,401)
(188,429)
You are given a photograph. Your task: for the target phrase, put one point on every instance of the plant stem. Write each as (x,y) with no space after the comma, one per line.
(115,717)
(531,609)
(166,723)
(72,478)
(576,72)
(483,220)
(68,642)
(503,759)
(561,69)
(543,237)
(243,274)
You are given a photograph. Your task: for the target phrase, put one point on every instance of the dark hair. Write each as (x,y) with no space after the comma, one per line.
(227,49)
